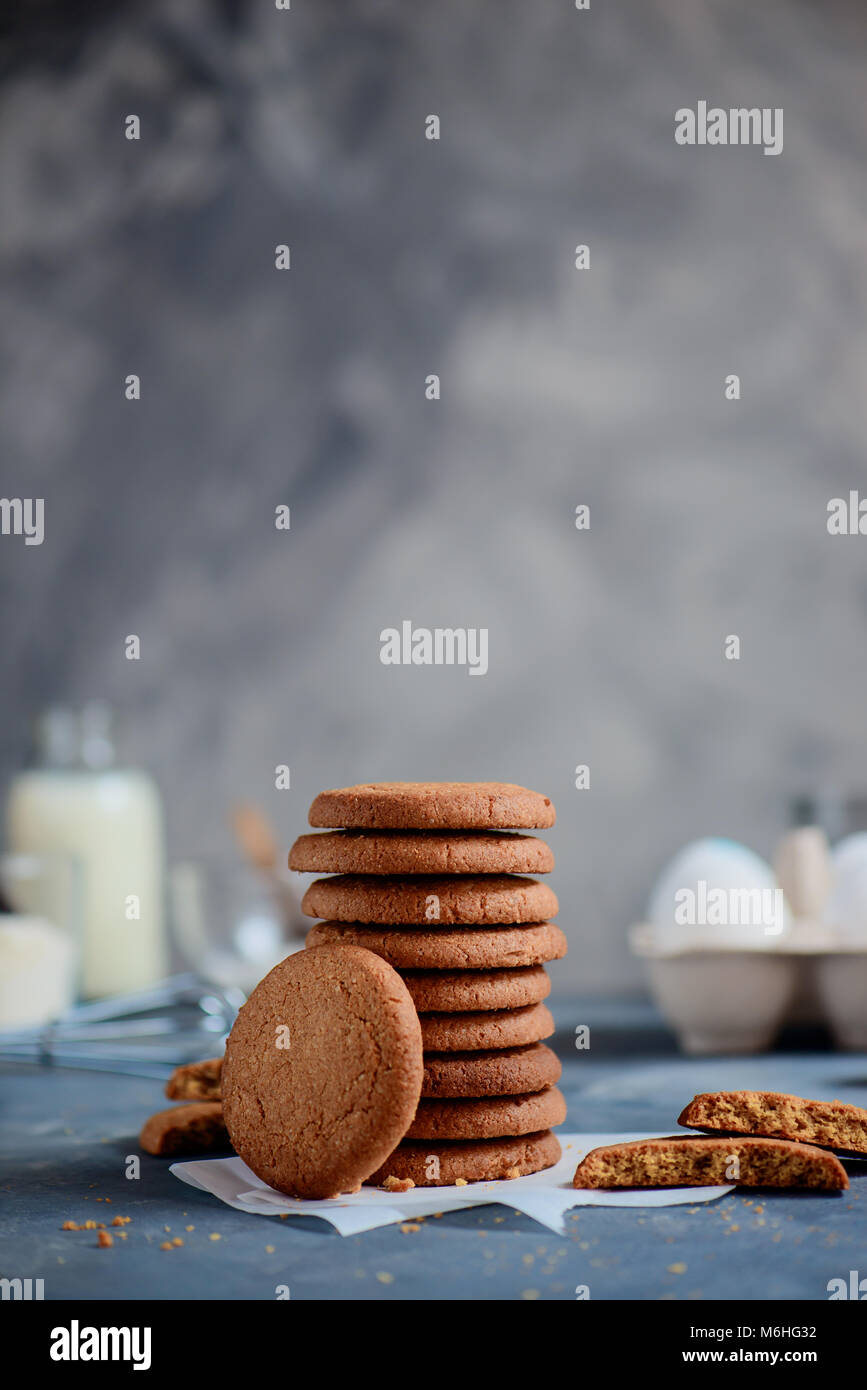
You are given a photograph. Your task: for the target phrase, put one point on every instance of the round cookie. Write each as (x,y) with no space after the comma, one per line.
(430,899)
(486,1029)
(433,806)
(460,991)
(462,948)
(510,1071)
(473,1160)
(420,852)
(490,1118)
(323,1071)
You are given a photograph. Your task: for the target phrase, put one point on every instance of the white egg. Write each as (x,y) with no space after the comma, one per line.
(717,893)
(847,906)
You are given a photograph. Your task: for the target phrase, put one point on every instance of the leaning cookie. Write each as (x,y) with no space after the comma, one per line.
(186,1129)
(323,1071)
(833,1124)
(700,1162)
(196,1081)
(440,1163)
(430,899)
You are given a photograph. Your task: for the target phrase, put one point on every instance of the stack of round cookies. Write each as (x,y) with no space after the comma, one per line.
(431,877)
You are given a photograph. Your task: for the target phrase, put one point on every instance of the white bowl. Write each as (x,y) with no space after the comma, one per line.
(719,1001)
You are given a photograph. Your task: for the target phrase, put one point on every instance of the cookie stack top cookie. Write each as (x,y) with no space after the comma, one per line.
(432,877)
(433,806)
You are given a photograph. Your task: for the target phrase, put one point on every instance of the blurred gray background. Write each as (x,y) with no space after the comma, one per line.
(307,388)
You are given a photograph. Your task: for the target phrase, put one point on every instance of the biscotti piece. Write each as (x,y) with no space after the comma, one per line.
(185,1129)
(432,806)
(833,1124)
(700,1162)
(196,1081)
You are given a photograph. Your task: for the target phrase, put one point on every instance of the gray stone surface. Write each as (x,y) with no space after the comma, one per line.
(410,257)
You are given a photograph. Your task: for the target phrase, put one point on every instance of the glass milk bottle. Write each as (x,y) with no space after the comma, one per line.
(76,801)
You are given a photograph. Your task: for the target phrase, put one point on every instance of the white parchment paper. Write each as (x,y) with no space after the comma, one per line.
(546,1197)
